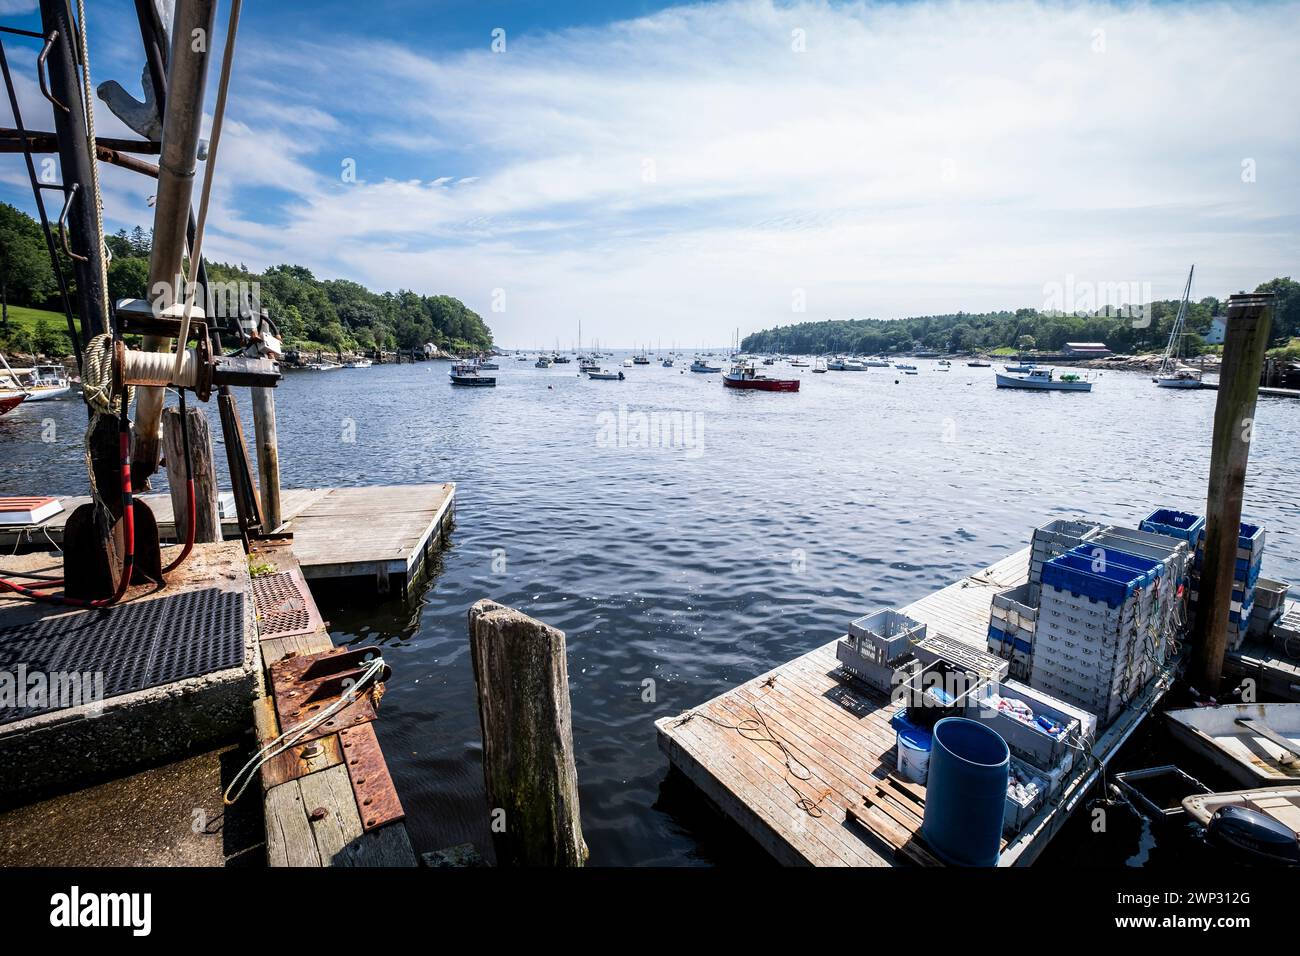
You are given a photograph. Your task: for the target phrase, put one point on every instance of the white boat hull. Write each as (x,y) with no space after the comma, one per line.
(1178,382)
(1249,757)
(1039,385)
(47,393)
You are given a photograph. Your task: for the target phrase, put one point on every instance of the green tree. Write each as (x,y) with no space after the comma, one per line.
(26,276)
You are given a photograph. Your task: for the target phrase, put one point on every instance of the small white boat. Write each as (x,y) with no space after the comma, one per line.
(1020,368)
(542,362)
(1172,373)
(819,366)
(1045,380)
(605,375)
(358,363)
(904,367)
(836,364)
(1181,378)
(628,363)
(944,363)
(667,363)
(1255,743)
(854,365)
(876,363)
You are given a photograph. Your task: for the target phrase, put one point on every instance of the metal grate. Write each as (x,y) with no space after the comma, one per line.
(134,646)
(282,607)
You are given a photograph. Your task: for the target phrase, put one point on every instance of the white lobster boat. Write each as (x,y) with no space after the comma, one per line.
(1044,380)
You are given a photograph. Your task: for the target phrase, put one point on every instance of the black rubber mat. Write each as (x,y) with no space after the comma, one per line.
(134,646)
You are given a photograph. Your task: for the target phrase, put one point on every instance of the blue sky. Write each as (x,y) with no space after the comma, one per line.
(676,172)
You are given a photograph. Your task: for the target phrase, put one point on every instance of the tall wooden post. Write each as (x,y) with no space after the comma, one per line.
(268,455)
(207,515)
(523,705)
(1246,339)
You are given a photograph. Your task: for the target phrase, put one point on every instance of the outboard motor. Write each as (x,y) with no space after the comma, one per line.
(1254,834)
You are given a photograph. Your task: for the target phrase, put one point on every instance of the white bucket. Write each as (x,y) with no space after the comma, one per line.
(913,760)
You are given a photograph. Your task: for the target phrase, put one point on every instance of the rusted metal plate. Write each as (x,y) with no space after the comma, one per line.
(302,759)
(377,800)
(284,608)
(307,684)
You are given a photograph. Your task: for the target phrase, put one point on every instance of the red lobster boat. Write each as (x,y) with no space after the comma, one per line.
(10,401)
(744,376)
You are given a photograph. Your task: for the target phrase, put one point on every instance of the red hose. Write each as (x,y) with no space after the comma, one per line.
(128,537)
(189,532)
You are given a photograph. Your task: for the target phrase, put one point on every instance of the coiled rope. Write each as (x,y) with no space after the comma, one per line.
(97,374)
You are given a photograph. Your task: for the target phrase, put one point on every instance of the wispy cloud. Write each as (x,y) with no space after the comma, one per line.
(691,171)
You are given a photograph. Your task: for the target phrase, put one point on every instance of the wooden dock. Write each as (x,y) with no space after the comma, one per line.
(385,533)
(159,740)
(832,759)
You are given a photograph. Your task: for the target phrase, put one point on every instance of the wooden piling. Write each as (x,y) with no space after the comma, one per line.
(268,455)
(1245,341)
(523,702)
(207,519)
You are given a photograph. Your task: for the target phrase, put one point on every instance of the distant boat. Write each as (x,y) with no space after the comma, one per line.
(944,363)
(978,364)
(605,375)
(466,373)
(321,366)
(875,363)
(588,365)
(1020,367)
(667,363)
(699,365)
(854,365)
(1172,373)
(743,375)
(819,366)
(360,363)
(628,363)
(542,362)
(488,366)
(926,353)
(798,363)
(836,364)
(640,359)
(1045,380)
(1258,744)
(559,359)
(904,367)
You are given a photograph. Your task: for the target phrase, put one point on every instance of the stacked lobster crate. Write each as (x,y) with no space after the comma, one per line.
(1245,574)
(1098,615)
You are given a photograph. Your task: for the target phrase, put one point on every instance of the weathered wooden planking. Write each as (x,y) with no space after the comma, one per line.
(381,531)
(839,734)
(313,819)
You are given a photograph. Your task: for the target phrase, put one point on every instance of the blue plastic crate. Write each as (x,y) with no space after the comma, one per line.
(1176,524)
(1074,572)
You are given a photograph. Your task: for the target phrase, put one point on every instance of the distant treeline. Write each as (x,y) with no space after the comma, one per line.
(1145,330)
(310,312)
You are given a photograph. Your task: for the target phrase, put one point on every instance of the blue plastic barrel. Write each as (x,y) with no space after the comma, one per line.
(966,793)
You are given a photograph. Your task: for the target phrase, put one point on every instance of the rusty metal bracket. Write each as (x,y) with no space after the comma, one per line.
(307,684)
(372,786)
(41,71)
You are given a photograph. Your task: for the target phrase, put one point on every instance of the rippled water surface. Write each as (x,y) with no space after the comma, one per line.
(764,525)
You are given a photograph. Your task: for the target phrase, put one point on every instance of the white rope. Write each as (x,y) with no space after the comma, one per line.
(218,117)
(295,733)
(96,198)
(97,374)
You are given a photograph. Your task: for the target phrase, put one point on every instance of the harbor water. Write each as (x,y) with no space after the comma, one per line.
(687,537)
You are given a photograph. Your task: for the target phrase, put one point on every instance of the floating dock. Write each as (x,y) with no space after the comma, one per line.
(383,533)
(826,794)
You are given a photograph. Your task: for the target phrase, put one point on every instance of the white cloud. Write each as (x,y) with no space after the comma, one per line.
(685,173)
